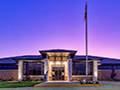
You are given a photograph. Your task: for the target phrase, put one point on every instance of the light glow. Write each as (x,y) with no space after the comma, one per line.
(58,62)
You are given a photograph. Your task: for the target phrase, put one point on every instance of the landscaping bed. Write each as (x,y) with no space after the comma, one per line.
(18,84)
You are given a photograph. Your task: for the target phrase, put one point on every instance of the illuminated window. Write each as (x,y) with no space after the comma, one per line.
(58,58)
(64,58)
(51,58)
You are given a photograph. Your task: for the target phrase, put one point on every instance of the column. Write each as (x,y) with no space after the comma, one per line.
(45,69)
(70,69)
(95,70)
(20,70)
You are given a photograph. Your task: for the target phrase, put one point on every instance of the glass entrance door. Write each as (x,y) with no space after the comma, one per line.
(57,73)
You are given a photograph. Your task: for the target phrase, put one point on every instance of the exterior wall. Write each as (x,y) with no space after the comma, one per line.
(105,75)
(79,77)
(9,73)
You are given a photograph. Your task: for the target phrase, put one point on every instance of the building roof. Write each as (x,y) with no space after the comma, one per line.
(44,52)
(13,60)
(83,57)
(7,61)
(28,57)
(110,61)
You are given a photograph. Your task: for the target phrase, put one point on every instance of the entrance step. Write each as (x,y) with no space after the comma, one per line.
(64,84)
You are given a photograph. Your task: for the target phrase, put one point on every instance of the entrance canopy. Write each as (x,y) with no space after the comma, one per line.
(44,53)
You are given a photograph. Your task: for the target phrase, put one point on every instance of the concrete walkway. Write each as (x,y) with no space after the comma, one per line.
(106,86)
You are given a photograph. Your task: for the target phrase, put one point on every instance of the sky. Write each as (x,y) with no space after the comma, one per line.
(27,26)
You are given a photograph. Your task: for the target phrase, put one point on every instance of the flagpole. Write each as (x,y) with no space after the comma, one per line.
(86,45)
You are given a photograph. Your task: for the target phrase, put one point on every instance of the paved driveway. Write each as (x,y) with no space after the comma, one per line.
(107,86)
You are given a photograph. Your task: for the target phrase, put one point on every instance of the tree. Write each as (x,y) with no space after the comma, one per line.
(27,73)
(113,74)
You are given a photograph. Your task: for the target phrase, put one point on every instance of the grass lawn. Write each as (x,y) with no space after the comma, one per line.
(17,84)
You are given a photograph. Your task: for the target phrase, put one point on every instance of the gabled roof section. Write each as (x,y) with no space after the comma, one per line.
(44,52)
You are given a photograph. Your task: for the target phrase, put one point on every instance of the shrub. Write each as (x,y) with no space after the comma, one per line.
(4,79)
(23,80)
(96,82)
(36,80)
(118,79)
(19,81)
(87,83)
(41,79)
(12,78)
(90,82)
(81,82)
(30,80)
(1,78)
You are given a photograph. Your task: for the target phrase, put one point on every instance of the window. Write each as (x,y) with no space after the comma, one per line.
(118,67)
(80,68)
(58,58)
(34,68)
(0,66)
(108,67)
(51,58)
(64,58)
(8,67)
(114,67)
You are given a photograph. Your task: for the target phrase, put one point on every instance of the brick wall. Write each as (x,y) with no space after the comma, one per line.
(9,73)
(105,75)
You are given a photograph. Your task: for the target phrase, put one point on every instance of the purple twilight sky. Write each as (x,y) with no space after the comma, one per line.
(27,26)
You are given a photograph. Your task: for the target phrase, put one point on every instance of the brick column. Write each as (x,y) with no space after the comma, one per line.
(70,69)
(95,70)
(20,70)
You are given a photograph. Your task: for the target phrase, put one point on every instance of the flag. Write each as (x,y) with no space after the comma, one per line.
(85,15)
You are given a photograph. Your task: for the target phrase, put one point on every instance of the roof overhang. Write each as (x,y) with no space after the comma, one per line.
(44,53)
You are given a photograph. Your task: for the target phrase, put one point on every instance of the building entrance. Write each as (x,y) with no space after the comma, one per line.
(57,73)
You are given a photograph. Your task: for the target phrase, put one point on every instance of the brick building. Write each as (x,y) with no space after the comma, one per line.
(59,65)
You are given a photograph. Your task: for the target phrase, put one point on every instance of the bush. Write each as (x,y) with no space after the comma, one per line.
(10,79)
(19,81)
(23,80)
(96,82)
(41,79)
(90,82)
(87,83)
(36,80)
(30,80)
(4,79)
(1,78)
(118,79)
(81,82)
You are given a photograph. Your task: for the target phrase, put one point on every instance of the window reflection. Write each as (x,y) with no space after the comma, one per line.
(80,68)
(34,68)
